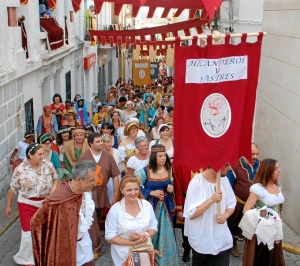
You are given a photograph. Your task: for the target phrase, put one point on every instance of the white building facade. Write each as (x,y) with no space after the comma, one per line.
(28,84)
(277,127)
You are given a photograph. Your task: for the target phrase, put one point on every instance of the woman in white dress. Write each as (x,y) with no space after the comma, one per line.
(128,112)
(164,132)
(130,221)
(127,146)
(154,135)
(266,190)
(141,159)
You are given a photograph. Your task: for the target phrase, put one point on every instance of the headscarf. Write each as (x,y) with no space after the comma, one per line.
(129,102)
(161,126)
(45,138)
(77,130)
(46,107)
(146,95)
(84,110)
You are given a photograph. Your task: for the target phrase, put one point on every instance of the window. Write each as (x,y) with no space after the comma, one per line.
(68,85)
(12,17)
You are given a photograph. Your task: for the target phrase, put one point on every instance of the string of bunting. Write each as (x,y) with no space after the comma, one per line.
(156,44)
(128,37)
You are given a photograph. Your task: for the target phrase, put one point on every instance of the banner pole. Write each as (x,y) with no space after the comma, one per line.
(218,188)
(200,36)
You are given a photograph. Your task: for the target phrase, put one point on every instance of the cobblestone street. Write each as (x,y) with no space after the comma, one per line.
(10,242)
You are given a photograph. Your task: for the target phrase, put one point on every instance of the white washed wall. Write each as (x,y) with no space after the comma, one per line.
(38,77)
(277,129)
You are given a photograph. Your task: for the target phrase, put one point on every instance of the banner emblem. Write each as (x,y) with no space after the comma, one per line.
(142,74)
(215,116)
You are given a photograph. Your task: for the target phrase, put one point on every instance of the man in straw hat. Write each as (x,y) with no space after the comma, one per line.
(74,148)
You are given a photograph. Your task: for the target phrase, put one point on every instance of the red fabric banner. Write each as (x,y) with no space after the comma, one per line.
(76,5)
(24,45)
(192,5)
(55,32)
(215,93)
(52,4)
(129,36)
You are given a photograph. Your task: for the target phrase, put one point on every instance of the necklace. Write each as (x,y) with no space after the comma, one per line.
(159,172)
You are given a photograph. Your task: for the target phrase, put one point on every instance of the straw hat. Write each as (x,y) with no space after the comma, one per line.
(70,112)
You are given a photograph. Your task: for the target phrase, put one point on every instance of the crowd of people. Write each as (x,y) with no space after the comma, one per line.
(110,168)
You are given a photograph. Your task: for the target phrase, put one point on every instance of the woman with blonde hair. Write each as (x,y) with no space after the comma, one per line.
(130,221)
(127,146)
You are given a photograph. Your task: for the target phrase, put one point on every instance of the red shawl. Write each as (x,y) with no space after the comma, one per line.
(54,228)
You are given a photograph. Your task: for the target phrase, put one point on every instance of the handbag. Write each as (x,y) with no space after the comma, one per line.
(141,256)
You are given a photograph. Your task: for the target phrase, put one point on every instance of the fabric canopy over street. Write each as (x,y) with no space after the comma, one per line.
(153,4)
(207,6)
(129,36)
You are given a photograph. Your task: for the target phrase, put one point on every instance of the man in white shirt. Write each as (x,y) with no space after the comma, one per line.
(208,233)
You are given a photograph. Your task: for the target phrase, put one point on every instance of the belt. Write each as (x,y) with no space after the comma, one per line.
(239,200)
